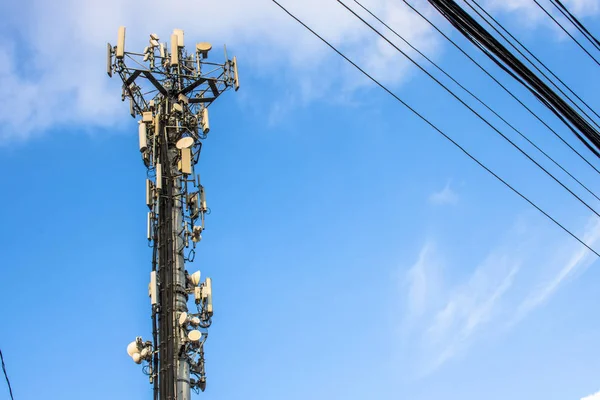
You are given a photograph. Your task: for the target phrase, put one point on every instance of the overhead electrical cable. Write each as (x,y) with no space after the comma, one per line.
(497,52)
(522,76)
(580,27)
(567,32)
(478,99)
(476,7)
(477,114)
(6,376)
(432,125)
(511,71)
(509,92)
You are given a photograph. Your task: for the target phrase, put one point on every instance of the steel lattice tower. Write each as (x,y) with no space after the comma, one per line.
(170,89)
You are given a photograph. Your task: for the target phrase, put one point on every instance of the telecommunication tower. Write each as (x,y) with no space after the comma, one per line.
(170,89)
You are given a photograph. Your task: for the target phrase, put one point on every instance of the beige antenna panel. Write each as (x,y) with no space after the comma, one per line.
(153,288)
(158,176)
(174,50)
(149,193)
(179,33)
(109,59)
(236,75)
(120,52)
(156,124)
(143,138)
(207,293)
(147,116)
(203,205)
(149,232)
(185,163)
(204,120)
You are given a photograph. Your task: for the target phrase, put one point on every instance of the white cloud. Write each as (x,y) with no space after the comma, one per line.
(519,274)
(578,260)
(56,75)
(469,307)
(53,73)
(445,196)
(423,282)
(530,13)
(595,396)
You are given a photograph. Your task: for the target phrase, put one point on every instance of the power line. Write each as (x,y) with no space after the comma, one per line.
(6,376)
(478,99)
(498,53)
(432,125)
(510,93)
(568,15)
(567,32)
(489,17)
(488,123)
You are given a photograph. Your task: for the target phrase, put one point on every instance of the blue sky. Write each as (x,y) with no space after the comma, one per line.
(355,253)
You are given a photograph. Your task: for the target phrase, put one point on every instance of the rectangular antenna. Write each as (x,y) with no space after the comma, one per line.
(179,33)
(235,74)
(185,163)
(204,121)
(143,138)
(174,50)
(207,292)
(109,59)
(149,233)
(120,53)
(203,205)
(153,288)
(158,176)
(149,193)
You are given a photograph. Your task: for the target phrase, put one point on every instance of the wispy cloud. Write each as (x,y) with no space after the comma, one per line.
(469,307)
(519,274)
(446,196)
(578,260)
(423,281)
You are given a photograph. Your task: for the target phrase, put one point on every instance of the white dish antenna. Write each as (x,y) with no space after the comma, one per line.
(195,335)
(185,143)
(183,318)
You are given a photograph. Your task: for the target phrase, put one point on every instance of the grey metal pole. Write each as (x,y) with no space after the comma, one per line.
(179,279)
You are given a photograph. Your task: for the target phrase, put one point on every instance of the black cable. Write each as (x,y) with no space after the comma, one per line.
(6,376)
(478,115)
(568,15)
(431,124)
(567,32)
(498,53)
(542,64)
(478,99)
(504,87)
